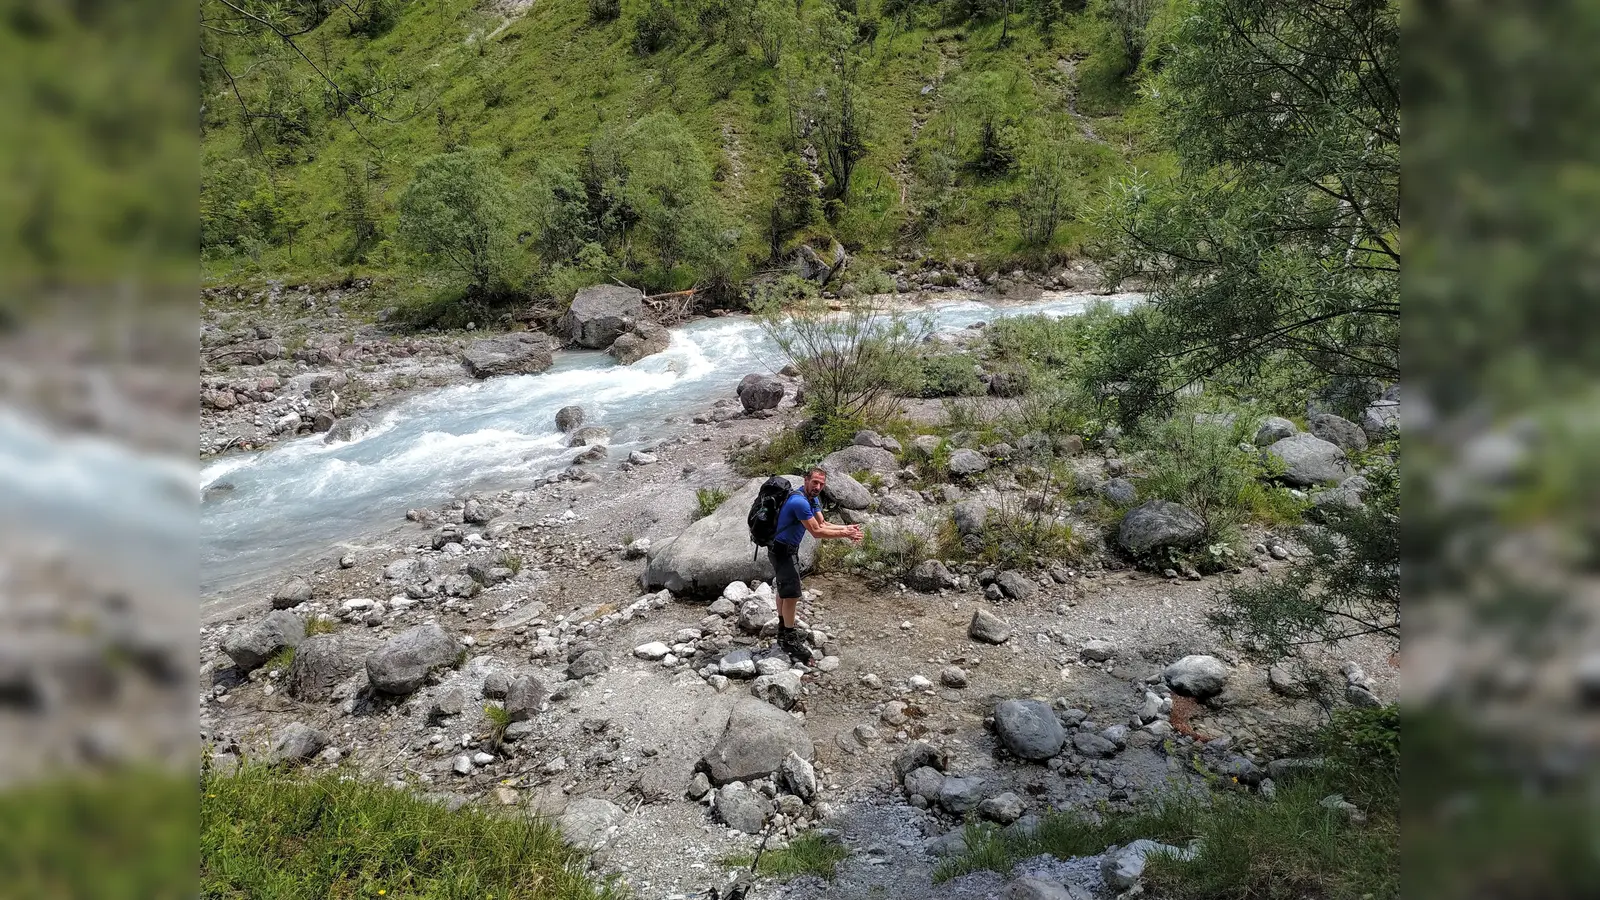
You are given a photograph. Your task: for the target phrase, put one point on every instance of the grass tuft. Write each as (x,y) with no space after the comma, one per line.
(808,854)
(707,500)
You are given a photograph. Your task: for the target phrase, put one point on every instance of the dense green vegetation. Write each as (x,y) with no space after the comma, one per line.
(124,835)
(670,142)
(270,834)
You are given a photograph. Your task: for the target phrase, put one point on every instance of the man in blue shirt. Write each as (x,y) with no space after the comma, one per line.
(800,514)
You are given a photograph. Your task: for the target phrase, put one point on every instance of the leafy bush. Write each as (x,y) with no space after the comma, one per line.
(1056,406)
(1350,586)
(948,375)
(604,10)
(1026,526)
(459,214)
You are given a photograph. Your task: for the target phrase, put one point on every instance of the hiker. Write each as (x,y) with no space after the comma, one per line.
(800,513)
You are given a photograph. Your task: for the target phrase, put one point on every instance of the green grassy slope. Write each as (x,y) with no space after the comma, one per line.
(537,84)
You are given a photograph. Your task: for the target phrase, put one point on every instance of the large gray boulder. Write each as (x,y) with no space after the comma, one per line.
(321,662)
(1381,420)
(644,339)
(569,418)
(251,645)
(1197,676)
(966,463)
(298,743)
(403,663)
(600,314)
(929,576)
(970,516)
(1335,430)
(291,593)
(1030,888)
(589,824)
(1119,492)
(846,492)
(755,742)
(1155,524)
(517,353)
(1029,729)
(960,794)
(988,628)
(1309,460)
(1273,429)
(1122,868)
(760,392)
(716,551)
(854,459)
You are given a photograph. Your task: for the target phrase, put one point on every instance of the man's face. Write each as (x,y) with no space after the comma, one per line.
(815,483)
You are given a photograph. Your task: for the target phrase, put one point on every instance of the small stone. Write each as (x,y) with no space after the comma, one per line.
(482,759)
(463,765)
(988,628)
(1003,808)
(953,676)
(652,651)
(1098,651)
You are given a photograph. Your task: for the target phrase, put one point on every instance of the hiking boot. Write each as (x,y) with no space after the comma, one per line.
(794,644)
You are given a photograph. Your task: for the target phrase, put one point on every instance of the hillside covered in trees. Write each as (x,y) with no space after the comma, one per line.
(668,142)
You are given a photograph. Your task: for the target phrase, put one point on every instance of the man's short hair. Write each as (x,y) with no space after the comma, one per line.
(816,470)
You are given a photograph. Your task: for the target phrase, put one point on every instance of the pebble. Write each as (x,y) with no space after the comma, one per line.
(463,765)
(482,759)
(919,683)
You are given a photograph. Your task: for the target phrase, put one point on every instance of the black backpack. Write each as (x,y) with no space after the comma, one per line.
(763,518)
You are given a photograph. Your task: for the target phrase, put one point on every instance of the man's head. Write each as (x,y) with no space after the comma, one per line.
(816,480)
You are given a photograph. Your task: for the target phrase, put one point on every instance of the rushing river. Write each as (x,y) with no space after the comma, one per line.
(263,510)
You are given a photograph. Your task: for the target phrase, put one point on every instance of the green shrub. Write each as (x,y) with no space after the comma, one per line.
(655,29)
(1056,406)
(1199,465)
(948,375)
(707,500)
(1025,527)
(889,552)
(854,364)
(604,10)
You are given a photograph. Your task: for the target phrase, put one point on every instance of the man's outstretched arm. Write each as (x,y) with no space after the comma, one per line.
(820,529)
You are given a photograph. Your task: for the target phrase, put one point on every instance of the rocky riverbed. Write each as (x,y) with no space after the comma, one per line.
(577,648)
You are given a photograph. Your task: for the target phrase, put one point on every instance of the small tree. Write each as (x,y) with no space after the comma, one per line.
(356,209)
(1044,196)
(772,27)
(458,213)
(854,362)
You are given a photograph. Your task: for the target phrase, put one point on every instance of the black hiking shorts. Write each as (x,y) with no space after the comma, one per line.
(786,568)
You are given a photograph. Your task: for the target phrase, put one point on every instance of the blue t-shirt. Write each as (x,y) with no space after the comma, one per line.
(792,517)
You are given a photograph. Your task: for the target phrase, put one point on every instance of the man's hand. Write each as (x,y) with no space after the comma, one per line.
(854,533)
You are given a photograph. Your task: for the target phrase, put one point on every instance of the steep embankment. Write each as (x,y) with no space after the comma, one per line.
(309,143)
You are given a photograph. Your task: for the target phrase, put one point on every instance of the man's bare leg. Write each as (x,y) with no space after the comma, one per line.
(787,611)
